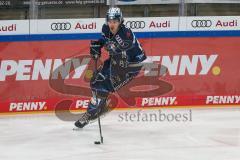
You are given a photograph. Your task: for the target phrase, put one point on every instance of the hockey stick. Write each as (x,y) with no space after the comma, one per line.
(98,112)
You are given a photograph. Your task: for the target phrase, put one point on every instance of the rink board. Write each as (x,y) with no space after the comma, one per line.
(202,70)
(192,61)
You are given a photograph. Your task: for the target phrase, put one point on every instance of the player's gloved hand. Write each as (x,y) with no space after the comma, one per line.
(95,49)
(110,46)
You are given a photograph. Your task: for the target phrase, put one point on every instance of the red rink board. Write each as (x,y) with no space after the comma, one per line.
(205,72)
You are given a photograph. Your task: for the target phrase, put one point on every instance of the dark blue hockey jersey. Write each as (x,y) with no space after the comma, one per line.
(124,41)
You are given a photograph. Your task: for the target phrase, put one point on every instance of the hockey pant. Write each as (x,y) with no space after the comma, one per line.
(109,78)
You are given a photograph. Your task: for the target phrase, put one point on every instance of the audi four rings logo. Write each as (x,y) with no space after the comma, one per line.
(136,24)
(61,26)
(201,23)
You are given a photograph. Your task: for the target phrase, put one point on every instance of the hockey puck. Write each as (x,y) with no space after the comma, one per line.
(97,142)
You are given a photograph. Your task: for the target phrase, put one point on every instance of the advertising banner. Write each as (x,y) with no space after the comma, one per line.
(61,26)
(209,23)
(137,24)
(141,2)
(49,3)
(152,24)
(36,76)
(16,27)
(183,68)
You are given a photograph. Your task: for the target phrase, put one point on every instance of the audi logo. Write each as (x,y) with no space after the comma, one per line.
(135,24)
(201,23)
(61,26)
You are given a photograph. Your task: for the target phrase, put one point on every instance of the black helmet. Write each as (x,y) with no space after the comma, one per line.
(114,13)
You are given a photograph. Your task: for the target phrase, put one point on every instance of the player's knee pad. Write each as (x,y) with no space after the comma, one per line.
(96,104)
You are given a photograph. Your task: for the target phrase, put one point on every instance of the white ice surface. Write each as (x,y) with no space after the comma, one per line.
(213,134)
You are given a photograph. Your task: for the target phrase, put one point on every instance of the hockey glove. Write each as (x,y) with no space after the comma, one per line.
(110,46)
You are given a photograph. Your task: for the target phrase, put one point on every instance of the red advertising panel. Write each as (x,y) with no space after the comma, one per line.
(40,75)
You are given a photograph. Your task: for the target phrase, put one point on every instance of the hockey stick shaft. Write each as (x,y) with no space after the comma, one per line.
(99,121)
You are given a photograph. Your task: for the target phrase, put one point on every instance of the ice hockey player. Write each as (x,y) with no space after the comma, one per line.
(123,64)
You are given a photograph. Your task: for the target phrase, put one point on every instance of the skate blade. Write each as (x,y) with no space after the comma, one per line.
(92,121)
